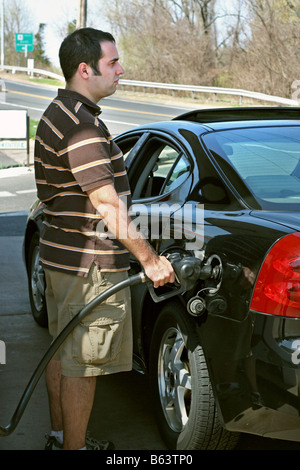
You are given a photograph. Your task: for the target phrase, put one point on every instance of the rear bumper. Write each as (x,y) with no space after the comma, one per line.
(255,372)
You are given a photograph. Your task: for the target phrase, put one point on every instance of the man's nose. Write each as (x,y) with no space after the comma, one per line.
(121,70)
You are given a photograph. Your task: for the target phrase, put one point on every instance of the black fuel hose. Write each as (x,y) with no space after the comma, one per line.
(132,280)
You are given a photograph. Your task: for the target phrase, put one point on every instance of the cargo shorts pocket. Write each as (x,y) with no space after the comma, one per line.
(98,337)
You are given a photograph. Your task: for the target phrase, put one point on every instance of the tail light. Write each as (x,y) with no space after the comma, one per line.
(277,289)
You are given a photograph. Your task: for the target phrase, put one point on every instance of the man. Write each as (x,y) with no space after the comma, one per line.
(81,178)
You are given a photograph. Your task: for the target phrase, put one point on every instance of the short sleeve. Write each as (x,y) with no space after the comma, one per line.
(86,150)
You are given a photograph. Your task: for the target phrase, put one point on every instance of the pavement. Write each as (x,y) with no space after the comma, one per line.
(15,157)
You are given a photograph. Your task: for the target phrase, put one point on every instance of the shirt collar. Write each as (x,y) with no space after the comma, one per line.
(94,108)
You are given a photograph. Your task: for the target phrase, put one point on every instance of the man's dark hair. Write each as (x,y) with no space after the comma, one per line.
(83,45)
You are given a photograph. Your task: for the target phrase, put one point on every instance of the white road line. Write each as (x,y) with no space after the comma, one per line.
(16,171)
(21,106)
(25,191)
(120,122)
(6,194)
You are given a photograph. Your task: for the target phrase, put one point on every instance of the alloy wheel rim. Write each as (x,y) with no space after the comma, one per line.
(36,280)
(174,379)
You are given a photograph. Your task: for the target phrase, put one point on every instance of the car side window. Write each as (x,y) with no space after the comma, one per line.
(131,146)
(164,170)
(179,172)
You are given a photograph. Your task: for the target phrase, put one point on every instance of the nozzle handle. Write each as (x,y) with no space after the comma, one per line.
(187,272)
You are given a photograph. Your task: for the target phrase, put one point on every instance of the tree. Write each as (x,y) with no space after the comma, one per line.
(66,28)
(16,20)
(39,50)
(165,40)
(251,44)
(269,59)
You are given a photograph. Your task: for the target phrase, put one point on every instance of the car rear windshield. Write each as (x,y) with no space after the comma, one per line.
(264,161)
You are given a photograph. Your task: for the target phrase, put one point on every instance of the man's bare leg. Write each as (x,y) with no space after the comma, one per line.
(53,378)
(77,398)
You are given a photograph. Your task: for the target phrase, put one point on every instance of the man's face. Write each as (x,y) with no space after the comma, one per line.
(110,70)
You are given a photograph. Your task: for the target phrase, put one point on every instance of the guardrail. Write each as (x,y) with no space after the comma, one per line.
(212,90)
(31,71)
(193,89)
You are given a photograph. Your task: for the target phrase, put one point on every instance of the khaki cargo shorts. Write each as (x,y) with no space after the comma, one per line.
(102,342)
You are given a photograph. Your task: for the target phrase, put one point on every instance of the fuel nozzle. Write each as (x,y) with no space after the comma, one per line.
(188,270)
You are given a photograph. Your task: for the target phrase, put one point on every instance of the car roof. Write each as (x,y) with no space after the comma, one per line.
(201,121)
(204,116)
(223,118)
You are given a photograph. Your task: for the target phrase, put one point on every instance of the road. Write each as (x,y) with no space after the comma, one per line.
(122,410)
(122,113)
(17,189)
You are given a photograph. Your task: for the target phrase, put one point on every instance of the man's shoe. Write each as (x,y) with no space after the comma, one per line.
(95,444)
(52,443)
(91,443)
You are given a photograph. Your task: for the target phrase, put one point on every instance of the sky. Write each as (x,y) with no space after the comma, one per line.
(53,12)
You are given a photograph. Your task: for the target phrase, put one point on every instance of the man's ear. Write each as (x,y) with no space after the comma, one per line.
(84,70)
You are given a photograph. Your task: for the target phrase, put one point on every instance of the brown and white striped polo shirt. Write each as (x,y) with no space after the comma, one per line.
(74,153)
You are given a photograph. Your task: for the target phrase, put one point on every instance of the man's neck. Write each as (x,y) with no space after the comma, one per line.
(81,90)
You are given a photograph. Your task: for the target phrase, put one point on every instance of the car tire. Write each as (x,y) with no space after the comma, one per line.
(183,398)
(36,283)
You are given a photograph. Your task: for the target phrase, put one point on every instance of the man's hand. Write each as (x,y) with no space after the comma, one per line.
(159,270)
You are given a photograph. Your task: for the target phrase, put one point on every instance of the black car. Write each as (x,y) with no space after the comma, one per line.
(221,185)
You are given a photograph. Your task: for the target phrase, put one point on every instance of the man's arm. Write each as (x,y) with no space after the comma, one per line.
(114,212)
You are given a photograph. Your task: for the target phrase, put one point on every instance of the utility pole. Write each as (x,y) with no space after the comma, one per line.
(82,14)
(2,32)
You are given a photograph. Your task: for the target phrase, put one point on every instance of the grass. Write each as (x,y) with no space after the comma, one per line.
(47,81)
(32,128)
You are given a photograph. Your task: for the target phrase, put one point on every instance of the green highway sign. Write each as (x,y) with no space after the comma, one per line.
(24,42)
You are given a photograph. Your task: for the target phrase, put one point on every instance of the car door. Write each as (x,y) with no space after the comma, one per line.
(160,177)
(160,173)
